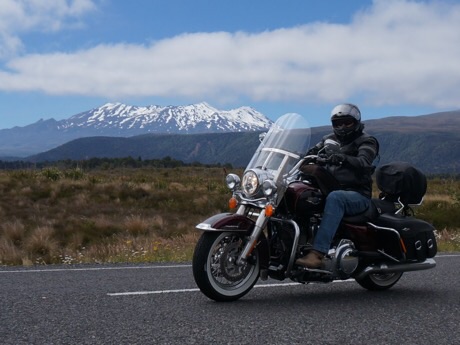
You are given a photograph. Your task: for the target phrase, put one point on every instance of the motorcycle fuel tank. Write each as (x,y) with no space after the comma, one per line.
(303,198)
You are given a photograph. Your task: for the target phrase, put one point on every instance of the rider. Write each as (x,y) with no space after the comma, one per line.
(352,167)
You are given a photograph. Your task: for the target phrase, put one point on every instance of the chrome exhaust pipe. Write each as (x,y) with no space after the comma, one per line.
(393,268)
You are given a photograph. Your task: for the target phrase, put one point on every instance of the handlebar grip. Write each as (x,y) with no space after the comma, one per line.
(321,160)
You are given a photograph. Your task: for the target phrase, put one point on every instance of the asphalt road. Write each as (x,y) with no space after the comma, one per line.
(159,304)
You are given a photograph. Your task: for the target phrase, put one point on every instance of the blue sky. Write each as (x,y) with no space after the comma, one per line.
(391,57)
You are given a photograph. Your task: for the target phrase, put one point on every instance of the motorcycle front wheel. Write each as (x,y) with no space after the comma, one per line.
(378,282)
(215,270)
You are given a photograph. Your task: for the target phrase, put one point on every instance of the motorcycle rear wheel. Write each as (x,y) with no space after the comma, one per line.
(215,270)
(379,282)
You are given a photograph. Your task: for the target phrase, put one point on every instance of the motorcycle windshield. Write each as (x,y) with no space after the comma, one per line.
(287,140)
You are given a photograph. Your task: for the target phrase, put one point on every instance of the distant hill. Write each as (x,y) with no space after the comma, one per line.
(444,122)
(213,148)
(121,120)
(430,142)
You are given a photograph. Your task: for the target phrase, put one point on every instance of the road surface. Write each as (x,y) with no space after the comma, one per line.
(160,304)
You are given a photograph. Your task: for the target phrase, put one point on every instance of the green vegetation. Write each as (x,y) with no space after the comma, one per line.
(144,214)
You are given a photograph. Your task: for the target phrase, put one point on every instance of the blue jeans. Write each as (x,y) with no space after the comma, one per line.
(338,204)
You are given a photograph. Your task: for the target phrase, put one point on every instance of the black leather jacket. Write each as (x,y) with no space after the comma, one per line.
(356,171)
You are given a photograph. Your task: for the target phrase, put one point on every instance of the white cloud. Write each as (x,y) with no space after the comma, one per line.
(395,52)
(20,16)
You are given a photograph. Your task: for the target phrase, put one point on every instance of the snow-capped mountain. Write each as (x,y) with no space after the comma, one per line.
(121,120)
(195,118)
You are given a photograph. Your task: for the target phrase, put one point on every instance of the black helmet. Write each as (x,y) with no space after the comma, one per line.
(346,120)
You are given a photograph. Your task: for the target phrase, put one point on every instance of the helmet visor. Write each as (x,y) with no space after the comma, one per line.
(346,122)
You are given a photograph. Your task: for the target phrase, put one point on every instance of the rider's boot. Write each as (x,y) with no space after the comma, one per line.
(313,259)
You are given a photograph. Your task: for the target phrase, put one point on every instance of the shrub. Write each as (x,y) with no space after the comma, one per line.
(9,253)
(52,174)
(13,231)
(135,225)
(74,174)
(41,245)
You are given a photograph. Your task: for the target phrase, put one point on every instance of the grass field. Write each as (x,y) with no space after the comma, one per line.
(52,216)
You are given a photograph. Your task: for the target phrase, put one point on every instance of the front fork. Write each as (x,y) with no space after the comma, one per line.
(258,228)
(256,234)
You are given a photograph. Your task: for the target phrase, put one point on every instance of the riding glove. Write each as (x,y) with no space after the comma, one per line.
(337,158)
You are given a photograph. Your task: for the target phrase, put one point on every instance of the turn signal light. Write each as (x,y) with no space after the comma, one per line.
(269,210)
(232,203)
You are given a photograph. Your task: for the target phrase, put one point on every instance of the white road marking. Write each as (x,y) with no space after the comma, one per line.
(93,269)
(72,269)
(151,292)
(158,292)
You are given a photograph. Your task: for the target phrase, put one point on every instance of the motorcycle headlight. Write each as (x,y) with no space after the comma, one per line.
(268,187)
(250,182)
(233,181)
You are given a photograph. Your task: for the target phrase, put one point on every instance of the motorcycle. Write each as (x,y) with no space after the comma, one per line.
(278,207)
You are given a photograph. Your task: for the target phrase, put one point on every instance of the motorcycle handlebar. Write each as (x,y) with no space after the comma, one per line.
(318,159)
(309,159)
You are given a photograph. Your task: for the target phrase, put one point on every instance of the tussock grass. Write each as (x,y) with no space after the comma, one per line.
(118,215)
(10,253)
(139,214)
(41,244)
(449,241)
(13,231)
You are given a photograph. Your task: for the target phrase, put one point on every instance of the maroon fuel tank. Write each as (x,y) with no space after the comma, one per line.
(303,199)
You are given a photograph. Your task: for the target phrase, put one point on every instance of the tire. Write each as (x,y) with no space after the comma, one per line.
(379,282)
(215,270)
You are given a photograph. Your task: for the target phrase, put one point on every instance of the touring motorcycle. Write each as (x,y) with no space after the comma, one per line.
(277,210)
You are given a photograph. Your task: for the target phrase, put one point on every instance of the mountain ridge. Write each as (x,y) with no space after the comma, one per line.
(431,142)
(121,120)
(436,151)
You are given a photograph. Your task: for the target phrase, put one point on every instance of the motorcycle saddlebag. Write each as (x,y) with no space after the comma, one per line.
(403,181)
(417,235)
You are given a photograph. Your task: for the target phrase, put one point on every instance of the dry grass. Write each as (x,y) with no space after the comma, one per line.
(138,215)
(13,231)
(448,240)
(439,198)
(121,215)
(10,253)
(41,245)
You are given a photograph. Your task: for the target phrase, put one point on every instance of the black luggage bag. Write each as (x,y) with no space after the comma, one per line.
(418,237)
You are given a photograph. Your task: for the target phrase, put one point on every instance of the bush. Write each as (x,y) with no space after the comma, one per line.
(41,246)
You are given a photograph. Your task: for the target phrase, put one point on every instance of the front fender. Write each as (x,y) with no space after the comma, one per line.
(227,222)
(237,222)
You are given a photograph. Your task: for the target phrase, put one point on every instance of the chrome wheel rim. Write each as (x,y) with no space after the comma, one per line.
(223,272)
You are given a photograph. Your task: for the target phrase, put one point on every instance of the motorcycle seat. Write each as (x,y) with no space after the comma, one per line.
(376,208)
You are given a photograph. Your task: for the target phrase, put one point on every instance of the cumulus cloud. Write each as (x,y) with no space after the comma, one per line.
(394,52)
(19,16)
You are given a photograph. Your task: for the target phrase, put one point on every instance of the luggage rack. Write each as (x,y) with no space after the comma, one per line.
(403,208)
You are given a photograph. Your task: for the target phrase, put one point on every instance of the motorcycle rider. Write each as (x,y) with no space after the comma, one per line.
(352,167)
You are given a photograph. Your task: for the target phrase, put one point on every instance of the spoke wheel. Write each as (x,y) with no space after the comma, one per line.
(378,282)
(215,269)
